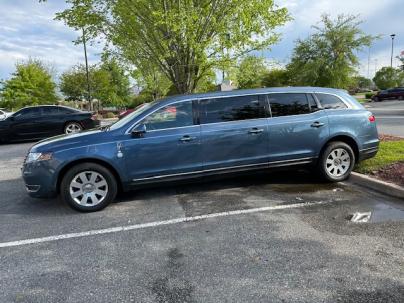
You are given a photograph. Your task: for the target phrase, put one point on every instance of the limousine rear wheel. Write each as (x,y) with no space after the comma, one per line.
(336,161)
(88,187)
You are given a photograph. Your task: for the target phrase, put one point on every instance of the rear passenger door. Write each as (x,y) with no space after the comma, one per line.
(298,127)
(234,133)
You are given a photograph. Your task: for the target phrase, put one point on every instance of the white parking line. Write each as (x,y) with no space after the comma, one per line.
(155,224)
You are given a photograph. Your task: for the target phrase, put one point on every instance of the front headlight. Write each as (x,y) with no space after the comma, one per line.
(32,157)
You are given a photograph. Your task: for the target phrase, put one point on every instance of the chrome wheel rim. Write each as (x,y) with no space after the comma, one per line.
(88,188)
(338,162)
(72,128)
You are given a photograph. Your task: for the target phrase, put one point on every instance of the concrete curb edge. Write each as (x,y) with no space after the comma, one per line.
(377,185)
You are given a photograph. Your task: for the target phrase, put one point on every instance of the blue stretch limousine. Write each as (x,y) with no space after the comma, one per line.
(191,136)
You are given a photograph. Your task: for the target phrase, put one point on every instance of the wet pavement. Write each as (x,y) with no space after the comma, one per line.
(299,254)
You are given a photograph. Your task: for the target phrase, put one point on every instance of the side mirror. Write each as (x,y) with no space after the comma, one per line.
(139,131)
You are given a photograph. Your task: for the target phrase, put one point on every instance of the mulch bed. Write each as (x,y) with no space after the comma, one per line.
(393,173)
(384,137)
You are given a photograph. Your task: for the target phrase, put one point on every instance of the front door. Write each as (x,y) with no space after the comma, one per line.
(27,124)
(169,146)
(234,133)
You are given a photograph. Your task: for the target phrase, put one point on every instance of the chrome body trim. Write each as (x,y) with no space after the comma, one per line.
(234,168)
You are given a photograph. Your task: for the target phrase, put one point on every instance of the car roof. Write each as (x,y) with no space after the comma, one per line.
(305,89)
(46,105)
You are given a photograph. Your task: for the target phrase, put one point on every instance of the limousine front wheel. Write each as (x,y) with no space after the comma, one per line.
(337,161)
(88,187)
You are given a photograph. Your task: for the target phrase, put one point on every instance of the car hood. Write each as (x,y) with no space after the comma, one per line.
(61,142)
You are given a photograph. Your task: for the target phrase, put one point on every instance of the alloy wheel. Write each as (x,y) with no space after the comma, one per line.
(73,128)
(88,188)
(338,162)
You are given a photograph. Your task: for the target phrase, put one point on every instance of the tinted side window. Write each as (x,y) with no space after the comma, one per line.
(231,109)
(29,112)
(312,103)
(63,110)
(330,101)
(171,116)
(288,104)
(50,110)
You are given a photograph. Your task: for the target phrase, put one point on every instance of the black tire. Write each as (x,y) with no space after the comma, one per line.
(376,99)
(401,98)
(323,166)
(111,186)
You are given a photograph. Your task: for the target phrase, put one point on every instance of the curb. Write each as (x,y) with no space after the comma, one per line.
(378,185)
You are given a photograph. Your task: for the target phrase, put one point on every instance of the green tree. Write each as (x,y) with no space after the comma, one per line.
(182,39)
(276,78)
(153,83)
(329,56)
(362,82)
(251,72)
(119,84)
(30,84)
(389,77)
(108,83)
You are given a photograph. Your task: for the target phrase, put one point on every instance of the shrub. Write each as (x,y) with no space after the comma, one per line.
(369,95)
(109,115)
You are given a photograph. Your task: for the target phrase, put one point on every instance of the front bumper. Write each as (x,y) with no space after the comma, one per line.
(39,178)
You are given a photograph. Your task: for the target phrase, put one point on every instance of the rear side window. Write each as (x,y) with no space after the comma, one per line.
(312,103)
(231,109)
(171,116)
(50,110)
(288,104)
(330,102)
(64,110)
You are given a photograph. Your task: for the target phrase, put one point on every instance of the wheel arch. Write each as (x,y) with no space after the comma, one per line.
(101,162)
(346,139)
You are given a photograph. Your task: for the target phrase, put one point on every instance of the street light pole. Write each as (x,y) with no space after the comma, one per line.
(392,49)
(87,73)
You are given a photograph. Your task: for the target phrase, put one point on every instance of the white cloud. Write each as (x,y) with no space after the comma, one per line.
(28,30)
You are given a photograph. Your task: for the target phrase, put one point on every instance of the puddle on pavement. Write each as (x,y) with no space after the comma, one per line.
(381,213)
(386,213)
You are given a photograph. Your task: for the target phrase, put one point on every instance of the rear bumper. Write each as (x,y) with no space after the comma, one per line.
(368,153)
(90,124)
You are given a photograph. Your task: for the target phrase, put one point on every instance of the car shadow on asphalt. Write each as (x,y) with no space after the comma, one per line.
(279,181)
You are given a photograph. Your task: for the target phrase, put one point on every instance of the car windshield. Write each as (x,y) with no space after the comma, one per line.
(132,115)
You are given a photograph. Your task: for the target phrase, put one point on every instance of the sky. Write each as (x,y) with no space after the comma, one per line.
(28,30)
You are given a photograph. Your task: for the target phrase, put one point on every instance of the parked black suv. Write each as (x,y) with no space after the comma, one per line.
(392,93)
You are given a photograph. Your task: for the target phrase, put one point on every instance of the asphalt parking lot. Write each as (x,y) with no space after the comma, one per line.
(278,237)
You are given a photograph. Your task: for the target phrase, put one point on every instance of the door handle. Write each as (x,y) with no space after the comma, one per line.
(187,138)
(255,131)
(317,124)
